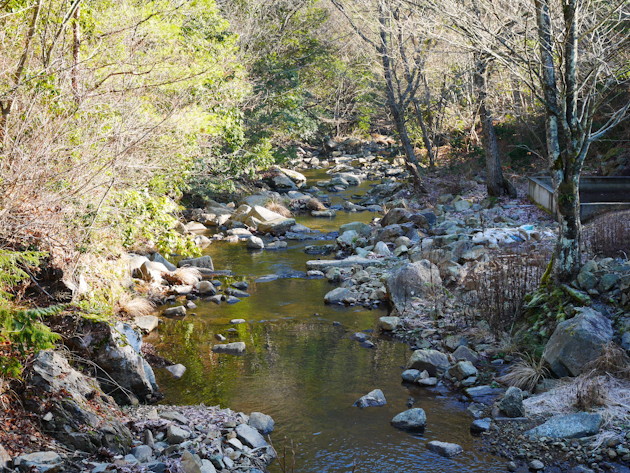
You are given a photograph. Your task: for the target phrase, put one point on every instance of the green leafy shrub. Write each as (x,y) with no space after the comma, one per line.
(145,220)
(21,334)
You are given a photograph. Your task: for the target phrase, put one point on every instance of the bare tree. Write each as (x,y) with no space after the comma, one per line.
(391,29)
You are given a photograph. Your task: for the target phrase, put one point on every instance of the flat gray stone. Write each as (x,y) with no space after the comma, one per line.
(146,323)
(176,435)
(250,436)
(235,348)
(49,462)
(143,453)
(177,370)
(570,426)
(323,265)
(445,449)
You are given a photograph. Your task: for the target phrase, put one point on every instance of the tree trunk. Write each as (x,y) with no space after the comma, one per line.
(496,184)
(76,45)
(567,259)
(396,109)
(426,138)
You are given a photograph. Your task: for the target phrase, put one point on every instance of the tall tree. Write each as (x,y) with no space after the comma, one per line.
(573,56)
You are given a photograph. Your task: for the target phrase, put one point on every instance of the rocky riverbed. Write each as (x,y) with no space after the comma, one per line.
(443,263)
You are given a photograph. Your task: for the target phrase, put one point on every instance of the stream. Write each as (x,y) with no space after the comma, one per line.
(306,372)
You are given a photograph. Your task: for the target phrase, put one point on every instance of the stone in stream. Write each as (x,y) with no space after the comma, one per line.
(329,213)
(206,288)
(483,394)
(242,285)
(201,262)
(255,243)
(276,245)
(250,436)
(480,425)
(236,293)
(411,375)
(146,323)
(178,311)
(238,321)
(340,295)
(374,398)
(235,348)
(362,229)
(232,299)
(445,449)
(389,323)
(177,370)
(412,419)
(261,422)
(216,299)
(360,336)
(220,337)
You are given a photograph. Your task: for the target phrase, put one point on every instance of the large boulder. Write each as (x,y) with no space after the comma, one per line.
(49,462)
(116,351)
(577,341)
(569,426)
(432,361)
(72,406)
(420,279)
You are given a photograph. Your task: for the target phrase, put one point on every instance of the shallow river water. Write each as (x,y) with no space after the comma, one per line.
(306,372)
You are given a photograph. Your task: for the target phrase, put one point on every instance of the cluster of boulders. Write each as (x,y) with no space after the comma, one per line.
(76,411)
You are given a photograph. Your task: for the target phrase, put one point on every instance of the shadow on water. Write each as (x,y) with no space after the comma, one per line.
(306,372)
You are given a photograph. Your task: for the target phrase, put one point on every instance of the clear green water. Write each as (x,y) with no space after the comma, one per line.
(306,373)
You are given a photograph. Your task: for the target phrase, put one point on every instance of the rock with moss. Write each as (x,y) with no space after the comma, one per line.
(577,341)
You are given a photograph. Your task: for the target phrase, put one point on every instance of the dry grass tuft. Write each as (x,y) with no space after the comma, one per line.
(136,307)
(590,391)
(278,208)
(315,204)
(525,373)
(185,276)
(613,360)
(615,408)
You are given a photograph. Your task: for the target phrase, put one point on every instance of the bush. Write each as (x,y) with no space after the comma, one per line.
(21,334)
